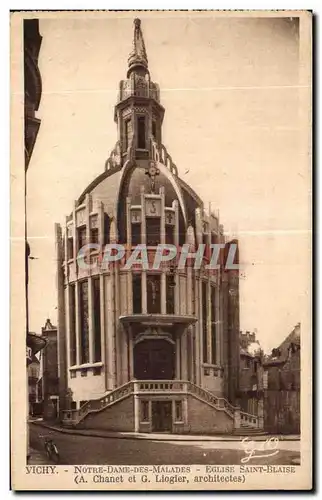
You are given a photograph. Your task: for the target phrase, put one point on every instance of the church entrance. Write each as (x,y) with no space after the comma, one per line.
(154,360)
(161,416)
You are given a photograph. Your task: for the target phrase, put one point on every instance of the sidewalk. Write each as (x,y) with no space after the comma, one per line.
(37,458)
(159,437)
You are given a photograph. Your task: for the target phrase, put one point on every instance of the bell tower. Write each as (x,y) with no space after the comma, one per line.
(138,112)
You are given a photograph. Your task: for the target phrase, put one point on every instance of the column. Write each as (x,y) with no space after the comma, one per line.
(178,358)
(136,411)
(77,325)
(190,349)
(237,418)
(109,329)
(130,347)
(75,240)
(117,326)
(163,292)
(261,413)
(67,319)
(103,331)
(218,329)
(184,361)
(209,347)
(185,411)
(197,332)
(90,320)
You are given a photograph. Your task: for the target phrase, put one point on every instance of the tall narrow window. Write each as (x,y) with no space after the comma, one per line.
(72,325)
(136,233)
(204,321)
(97,319)
(170,293)
(137,293)
(154,293)
(153,231)
(144,411)
(127,133)
(106,229)
(83,313)
(81,235)
(178,405)
(70,248)
(94,235)
(169,234)
(213,327)
(141,132)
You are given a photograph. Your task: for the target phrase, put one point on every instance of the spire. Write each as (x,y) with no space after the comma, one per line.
(137,57)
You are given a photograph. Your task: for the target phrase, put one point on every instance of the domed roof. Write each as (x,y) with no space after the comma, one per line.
(137,179)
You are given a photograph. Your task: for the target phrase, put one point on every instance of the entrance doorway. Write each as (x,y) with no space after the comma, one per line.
(161,416)
(154,360)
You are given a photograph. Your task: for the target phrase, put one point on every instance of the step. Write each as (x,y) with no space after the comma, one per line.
(248,432)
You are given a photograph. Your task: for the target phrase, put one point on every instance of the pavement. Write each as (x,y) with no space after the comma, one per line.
(102,448)
(37,458)
(159,436)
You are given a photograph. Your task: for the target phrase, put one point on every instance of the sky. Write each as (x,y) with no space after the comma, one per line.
(232,91)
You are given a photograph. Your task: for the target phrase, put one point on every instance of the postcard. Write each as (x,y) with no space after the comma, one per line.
(161,240)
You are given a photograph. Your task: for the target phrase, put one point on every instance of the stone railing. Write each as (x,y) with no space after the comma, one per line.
(218,403)
(114,160)
(73,417)
(248,420)
(160,154)
(160,386)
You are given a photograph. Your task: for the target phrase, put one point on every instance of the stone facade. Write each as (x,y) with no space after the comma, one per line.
(119,324)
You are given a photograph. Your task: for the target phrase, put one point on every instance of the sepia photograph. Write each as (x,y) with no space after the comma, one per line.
(161,225)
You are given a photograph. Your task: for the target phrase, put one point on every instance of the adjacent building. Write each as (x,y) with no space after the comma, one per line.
(49,373)
(32,95)
(282,384)
(141,348)
(33,378)
(251,376)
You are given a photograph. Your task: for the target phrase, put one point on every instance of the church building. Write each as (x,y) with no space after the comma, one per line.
(145,348)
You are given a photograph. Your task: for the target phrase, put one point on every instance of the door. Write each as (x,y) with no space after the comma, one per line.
(154,360)
(161,416)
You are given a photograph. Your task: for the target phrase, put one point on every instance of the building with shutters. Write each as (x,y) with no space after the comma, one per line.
(144,349)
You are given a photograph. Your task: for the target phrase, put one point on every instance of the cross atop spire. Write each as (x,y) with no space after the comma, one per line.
(138,57)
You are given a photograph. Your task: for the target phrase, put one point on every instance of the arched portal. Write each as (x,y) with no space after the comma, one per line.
(154,360)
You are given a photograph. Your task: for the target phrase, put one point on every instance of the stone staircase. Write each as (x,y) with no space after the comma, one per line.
(242,422)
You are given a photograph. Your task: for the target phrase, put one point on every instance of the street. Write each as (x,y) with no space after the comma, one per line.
(76,449)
